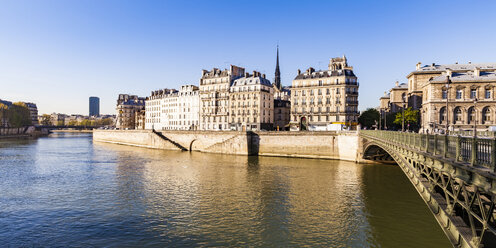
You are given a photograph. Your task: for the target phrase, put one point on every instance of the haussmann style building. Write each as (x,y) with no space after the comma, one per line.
(251,103)
(322,98)
(214,97)
(127,107)
(170,109)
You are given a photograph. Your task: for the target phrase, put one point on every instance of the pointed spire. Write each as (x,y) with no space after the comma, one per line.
(277,79)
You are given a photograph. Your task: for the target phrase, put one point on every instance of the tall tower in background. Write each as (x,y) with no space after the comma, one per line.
(94,106)
(277,79)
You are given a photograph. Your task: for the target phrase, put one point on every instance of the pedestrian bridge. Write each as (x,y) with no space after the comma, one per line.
(454,175)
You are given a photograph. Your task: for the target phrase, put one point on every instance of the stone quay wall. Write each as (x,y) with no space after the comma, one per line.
(326,145)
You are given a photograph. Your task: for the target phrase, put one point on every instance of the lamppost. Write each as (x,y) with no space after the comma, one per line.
(475,117)
(403,116)
(380,119)
(422,120)
(448,82)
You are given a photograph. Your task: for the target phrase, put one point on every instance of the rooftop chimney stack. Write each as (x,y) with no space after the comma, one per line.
(397,83)
(418,66)
(299,71)
(477,72)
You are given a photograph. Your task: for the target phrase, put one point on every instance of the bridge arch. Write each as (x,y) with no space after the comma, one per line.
(376,152)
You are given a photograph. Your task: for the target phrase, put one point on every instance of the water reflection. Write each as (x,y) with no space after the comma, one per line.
(65,191)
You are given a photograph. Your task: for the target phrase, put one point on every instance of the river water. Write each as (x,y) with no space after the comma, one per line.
(66,191)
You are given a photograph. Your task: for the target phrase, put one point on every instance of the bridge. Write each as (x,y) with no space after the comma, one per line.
(454,175)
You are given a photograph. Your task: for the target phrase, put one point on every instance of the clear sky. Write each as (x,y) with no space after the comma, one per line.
(58,53)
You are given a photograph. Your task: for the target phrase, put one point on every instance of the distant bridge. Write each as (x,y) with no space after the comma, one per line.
(67,127)
(454,175)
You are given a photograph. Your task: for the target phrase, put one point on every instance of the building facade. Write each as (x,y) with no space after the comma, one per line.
(320,98)
(459,97)
(251,102)
(161,109)
(33,111)
(127,106)
(170,109)
(396,99)
(282,114)
(214,97)
(94,106)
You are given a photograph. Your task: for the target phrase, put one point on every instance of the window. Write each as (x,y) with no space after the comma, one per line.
(445,94)
(337,91)
(320,92)
(486,115)
(471,115)
(442,115)
(488,94)
(458,94)
(473,93)
(328,91)
(320,84)
(457,113)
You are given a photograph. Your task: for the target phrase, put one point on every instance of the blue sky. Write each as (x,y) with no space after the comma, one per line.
(58,53)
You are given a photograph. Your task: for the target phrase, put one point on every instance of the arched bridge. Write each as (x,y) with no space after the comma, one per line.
(454,175)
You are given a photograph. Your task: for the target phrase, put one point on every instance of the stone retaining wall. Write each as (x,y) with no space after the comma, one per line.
(328,145)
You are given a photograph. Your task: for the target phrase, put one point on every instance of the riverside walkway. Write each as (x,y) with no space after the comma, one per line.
(454,175)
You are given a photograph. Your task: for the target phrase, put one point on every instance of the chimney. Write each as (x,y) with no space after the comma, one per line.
(477,72)
(299,71)
(247,74)
(418,66)
(254,73)
(470,62)
(433,64)
(263,75)
(397,84)
(448,72)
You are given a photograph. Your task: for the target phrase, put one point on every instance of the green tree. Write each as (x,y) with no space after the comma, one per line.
(369,118)
(72,123)
(19,115)
(411,117)
(85,123)
(60,122)
(4,115)
(46,120)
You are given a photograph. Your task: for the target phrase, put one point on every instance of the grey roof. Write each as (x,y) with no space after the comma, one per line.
(8,103)
(251,80)
(401,86)
(325,74)
(485,76)
(457,67)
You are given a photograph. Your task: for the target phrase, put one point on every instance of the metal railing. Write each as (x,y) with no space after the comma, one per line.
(474,151)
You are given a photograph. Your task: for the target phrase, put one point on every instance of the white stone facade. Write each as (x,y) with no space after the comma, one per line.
(214,97)
(251,101)
(170,109)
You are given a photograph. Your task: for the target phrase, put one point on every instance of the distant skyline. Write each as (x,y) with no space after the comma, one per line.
(59,53)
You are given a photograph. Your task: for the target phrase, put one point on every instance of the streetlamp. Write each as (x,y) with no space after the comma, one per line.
(448,82)
(403,116)
(475,117)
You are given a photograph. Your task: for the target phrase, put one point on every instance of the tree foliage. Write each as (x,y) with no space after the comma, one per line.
(369,118)
(19,115)
(46,120)
(411,117)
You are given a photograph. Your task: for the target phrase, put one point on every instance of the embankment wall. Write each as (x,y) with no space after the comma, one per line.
(327,145)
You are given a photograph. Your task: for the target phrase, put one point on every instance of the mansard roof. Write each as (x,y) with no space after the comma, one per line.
(310,73)
(457,67)
(469,76)
(252,80)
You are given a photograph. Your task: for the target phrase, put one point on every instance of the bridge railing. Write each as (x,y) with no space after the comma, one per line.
(474,151)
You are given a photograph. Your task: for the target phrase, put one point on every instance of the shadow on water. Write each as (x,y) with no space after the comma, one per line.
(396,213)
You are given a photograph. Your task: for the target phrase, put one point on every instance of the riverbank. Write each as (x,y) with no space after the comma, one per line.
(322,145)
(71,131)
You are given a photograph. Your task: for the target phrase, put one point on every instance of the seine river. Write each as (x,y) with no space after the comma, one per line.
(66,191)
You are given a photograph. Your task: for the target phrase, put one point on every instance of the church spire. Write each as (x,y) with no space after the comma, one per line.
(277,79)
